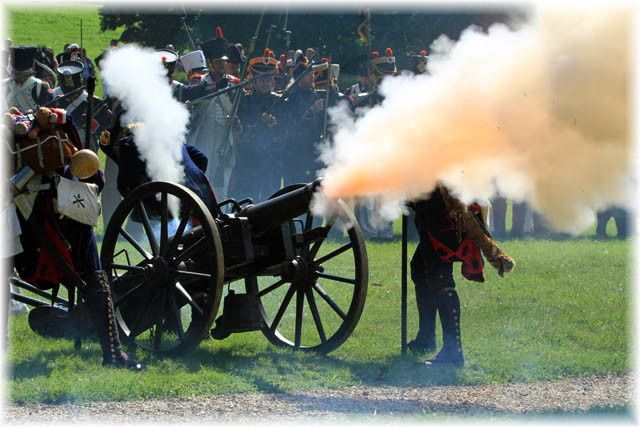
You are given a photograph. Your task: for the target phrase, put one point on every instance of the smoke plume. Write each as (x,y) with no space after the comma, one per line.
(136,76)
(540,113)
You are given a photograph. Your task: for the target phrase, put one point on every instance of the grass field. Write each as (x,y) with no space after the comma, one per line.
(563,312)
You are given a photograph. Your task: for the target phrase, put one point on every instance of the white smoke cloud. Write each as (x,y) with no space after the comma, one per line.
(540,114)
(136,76)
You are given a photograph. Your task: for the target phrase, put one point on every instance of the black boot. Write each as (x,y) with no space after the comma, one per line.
(98,297)
(425,340)
(448,305)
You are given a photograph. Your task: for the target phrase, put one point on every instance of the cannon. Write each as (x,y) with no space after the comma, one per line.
(299,278)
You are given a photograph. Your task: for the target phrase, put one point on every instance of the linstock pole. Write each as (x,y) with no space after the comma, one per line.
(403,297)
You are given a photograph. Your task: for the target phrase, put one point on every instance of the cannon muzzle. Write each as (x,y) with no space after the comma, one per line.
(280,209)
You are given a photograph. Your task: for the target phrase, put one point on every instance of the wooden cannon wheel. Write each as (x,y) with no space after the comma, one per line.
(165,266)
(315,302)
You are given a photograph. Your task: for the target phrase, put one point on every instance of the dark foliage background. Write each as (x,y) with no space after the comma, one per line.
(334,34)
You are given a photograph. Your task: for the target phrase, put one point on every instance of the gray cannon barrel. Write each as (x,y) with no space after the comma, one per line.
(278,210)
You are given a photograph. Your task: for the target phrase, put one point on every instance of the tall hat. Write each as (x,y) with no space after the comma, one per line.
(168,58)
(419,62)
(70,75)
(300,64)
(321,73)
(193,61)
(384,65)
(215,48)
(264,63)
(234,54)
(22,57)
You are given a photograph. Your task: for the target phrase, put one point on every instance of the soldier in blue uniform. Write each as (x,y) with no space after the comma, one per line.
(304,115)
(258,171)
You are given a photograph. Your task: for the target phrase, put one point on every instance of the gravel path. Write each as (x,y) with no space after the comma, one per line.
(353,403)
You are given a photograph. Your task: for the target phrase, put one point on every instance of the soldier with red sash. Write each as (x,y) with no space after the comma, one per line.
(449,232)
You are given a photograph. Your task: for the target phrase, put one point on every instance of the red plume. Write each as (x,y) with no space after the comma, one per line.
(375,54)
(219,34)
(389,52)
(423,53)
(164,58)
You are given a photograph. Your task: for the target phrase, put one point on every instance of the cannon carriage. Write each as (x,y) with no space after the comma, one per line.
(169,258)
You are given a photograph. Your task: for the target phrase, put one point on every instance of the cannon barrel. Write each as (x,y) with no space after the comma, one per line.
(280,209)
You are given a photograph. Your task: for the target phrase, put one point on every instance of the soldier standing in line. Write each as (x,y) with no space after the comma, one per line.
(373,226)
(213,129)
(22,90)
(258,171)
(304,114)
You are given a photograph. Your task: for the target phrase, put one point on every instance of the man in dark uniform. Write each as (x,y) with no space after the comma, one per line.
(304,114)
(449,232)
(258,172)
(22,90)
(70,78)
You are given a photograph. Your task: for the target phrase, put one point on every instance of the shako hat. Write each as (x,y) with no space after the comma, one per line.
(70,75)
(193,61)
(419,62)
(300,64)
(234,54)
(22,57)
(263,64)
(215,48)
(168,58)
(384,65)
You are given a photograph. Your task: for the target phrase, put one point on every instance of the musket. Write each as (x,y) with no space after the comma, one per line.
(186,27)
(288,90)
(269,32)
(91,87)
(64,97)
(225,146)
(226,90)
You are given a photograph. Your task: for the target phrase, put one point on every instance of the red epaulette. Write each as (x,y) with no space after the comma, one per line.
(233,79)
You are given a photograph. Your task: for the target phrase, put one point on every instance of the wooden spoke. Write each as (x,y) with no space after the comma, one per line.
(175,311)
(336,278)
(179,232)
(193,274)
(316,315)
(282,309)
(157,336)
(126,267)
(329,301)
(191,250)
(334,253)
(135,244)
(299,313)
(117,302)
(316,246)
(270,288)
(190,300)
(146,223)
(164,223)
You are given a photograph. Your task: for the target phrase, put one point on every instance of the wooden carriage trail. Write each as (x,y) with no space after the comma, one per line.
(592,398)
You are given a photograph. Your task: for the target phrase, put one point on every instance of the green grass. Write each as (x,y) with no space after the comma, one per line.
(563,312)
(55,25)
